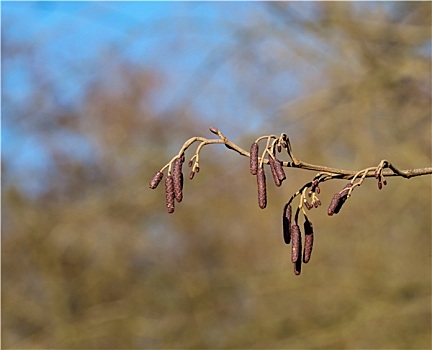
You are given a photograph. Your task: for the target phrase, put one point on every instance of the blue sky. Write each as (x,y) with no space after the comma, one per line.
(75,32)
(69,39)
(67,34)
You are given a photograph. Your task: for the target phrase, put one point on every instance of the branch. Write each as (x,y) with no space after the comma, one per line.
(296,163)
(307,194)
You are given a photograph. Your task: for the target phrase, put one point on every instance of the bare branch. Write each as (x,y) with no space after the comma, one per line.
(297,163)
(307,194)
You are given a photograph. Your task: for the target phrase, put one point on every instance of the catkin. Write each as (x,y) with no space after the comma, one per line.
(254,158)
(178,180)
(262,191)
(333,204)
(309,238)
(342,200)
(296,243)
(169,193)
(286,223)
(342,197)
(296,249)
(273,171)
(336,203)
(279,170)
(156,180)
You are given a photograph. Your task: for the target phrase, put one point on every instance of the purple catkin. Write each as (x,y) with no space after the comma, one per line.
(333,204)
(178,179)
(309,238)
(336,203)
(296,249)
(286,223)
(178,188)
(279,170)
(296,243)
(156,180)
(273,171)
(254,158)
(339,199)
(342,200)
(169,193)
(262,191)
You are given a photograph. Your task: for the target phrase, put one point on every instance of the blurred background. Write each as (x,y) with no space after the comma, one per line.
(97,96)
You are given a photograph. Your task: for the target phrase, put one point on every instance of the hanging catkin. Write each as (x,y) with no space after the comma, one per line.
(178,179)
(309,238)
(286,223)
(262,191)
(154,182)
(169,193)
(254,158)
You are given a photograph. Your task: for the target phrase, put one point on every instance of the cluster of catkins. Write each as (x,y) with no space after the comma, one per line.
(291,229)
(173,183)
(300,251)
(292,234)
